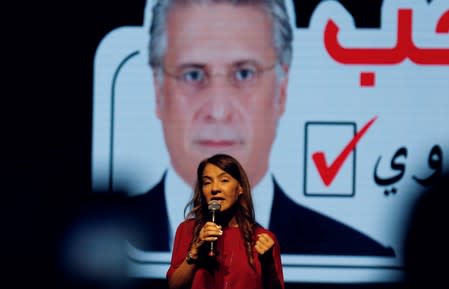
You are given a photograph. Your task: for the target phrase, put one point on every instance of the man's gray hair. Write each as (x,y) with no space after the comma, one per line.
(276,9)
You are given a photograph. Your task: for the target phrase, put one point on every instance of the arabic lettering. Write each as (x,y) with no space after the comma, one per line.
(404,47)
(396,166)
(386,56)
(435,162)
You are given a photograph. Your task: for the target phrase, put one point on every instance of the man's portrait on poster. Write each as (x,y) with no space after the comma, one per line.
(220,71)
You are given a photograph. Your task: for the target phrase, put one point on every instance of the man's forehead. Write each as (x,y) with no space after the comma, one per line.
(223,15)
(222,35)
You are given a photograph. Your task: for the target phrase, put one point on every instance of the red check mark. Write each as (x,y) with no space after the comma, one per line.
(328,173)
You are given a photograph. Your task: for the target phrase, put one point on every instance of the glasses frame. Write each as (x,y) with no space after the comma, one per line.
(229,75)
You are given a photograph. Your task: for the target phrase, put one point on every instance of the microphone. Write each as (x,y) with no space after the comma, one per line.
(213,206)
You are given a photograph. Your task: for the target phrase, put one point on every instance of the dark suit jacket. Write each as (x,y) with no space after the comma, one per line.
(298,229)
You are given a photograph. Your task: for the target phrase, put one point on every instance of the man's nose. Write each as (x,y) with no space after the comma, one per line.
(220,96)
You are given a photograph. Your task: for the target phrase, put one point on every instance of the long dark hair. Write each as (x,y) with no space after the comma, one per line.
(243,209)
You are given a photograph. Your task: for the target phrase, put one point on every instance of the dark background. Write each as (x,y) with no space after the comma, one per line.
(48,124)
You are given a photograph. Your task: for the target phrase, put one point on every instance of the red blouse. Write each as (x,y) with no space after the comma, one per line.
(234,270)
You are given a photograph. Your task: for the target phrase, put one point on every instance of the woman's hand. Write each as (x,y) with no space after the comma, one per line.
(209,232)
(270,276)
(264,243)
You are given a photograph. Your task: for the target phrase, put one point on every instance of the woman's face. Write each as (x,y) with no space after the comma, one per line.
(220,186)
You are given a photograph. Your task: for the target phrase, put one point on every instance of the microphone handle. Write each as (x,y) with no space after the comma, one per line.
(211,252)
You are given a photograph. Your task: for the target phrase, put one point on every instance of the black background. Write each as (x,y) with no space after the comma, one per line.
(47,127)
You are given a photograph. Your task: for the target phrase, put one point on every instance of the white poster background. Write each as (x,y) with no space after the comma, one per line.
(410,101)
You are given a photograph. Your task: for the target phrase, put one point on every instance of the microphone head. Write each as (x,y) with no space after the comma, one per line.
(214,205)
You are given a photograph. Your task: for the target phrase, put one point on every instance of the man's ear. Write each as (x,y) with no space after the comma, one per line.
(157,82)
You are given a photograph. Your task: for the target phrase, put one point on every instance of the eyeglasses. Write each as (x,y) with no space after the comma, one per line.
(240,75)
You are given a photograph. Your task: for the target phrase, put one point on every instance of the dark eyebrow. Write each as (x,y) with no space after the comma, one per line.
(190,65)
(223,174)
(244,62)
(219,175)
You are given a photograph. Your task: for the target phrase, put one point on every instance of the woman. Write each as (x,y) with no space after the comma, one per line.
(245,255)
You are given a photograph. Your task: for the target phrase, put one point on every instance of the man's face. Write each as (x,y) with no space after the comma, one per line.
(219,92)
